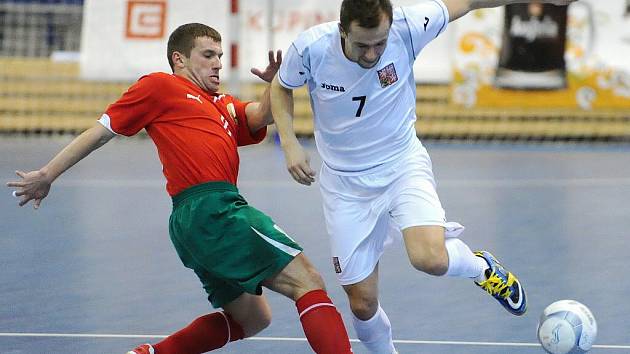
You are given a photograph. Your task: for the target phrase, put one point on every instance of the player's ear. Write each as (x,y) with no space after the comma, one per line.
(341,31)
(178,60)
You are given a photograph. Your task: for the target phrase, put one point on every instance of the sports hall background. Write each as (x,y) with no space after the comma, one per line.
(539,175)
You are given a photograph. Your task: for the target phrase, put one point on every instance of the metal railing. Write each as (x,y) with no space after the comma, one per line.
(38,28)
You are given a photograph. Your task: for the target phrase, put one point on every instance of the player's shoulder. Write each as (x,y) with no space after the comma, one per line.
(419,11)
(399,20)
(398,14)
(316,36)
(424,18)
(156,80)
(157,76)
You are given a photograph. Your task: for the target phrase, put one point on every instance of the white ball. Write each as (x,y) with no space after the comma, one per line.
(567,327)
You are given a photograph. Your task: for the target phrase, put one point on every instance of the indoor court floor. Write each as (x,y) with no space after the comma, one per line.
(93,270)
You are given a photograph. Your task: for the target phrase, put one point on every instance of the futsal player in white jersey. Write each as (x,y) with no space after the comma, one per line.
(376,178)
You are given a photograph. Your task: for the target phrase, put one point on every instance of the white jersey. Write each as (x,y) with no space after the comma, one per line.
(363,117)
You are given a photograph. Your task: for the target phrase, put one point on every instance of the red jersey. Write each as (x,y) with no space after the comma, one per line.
(196,133)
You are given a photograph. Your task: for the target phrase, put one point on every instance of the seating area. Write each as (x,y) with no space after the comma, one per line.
(38,95)
(41,96)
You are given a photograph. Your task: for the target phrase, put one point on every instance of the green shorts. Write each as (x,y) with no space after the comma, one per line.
(231,246)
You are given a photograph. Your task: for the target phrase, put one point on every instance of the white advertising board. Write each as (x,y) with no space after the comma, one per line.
(123,39)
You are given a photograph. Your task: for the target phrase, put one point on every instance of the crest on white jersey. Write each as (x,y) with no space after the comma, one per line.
(387,75)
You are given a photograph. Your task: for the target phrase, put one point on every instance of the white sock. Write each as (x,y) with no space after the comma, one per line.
(375,333)
(462,262)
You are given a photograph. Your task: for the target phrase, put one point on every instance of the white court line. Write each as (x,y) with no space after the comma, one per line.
(297,339)
(537,182)
(509,183)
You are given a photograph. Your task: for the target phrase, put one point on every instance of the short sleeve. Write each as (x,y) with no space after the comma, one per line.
(294,71)
(243,135)
(134,110)
(424,22)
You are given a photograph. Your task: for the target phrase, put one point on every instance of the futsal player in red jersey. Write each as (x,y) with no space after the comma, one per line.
(233,248)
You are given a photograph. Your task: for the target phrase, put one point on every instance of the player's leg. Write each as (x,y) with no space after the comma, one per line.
(242,250)
(322,323)
(252,312)
(203,334)
(432,243)
(243,315)
(368,318)
(217,261)
(430,252)
(357,220)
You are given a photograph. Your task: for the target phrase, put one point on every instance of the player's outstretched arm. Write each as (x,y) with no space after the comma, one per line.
(458,8)
(259,113)
(298,161)
(35,185)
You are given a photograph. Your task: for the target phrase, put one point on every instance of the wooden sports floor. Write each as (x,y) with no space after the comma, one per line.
(93,270)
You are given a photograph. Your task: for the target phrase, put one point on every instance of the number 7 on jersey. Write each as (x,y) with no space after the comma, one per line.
(361,104)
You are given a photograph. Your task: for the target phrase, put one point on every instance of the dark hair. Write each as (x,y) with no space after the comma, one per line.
(183,39)
(367,12)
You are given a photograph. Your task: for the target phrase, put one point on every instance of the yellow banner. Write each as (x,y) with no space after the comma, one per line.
(509,57)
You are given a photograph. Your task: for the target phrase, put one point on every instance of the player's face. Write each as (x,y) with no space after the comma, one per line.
(204,64)
(365,46)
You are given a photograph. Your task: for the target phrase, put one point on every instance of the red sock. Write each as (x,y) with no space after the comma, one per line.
(204,334)
(322,324)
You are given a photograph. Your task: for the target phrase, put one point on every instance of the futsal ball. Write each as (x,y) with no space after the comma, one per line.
(567,327)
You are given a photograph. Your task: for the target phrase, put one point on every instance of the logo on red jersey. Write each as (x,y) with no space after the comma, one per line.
(232,112)
(226,125)
(192,97)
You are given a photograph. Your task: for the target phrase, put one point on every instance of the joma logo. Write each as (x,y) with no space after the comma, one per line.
(333,87)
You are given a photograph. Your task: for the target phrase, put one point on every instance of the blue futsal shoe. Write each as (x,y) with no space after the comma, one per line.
(503,285)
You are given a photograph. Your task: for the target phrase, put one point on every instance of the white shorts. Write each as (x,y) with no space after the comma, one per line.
(365,213)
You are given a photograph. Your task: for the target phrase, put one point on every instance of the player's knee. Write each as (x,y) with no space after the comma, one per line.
(309,280)
(433,261)
(296,279)
(254,319)
(262,321)
(255,324)
(313,280)
(363,307)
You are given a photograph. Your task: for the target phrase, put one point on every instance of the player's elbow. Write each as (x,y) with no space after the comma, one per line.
(265,120)
(103,139)
(98,135)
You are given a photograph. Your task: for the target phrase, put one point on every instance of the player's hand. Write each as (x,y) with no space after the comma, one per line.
(298,164)
(33,186)
(271,69)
